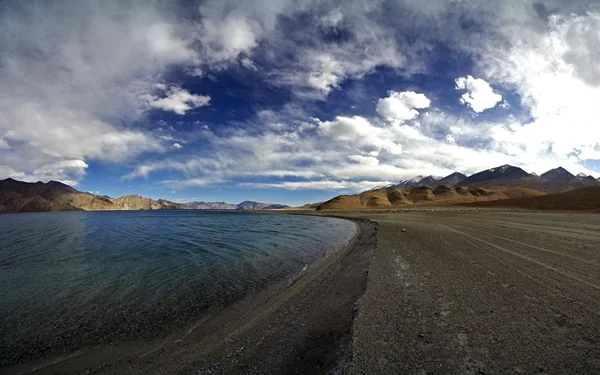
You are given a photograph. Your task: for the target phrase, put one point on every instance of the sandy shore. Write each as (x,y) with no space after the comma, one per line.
(303,328)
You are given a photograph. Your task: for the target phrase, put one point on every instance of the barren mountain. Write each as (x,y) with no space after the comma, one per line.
(552,181)
(18,196)
(558,174)
(251,205)
(245,205)
(211,205)
(504,175)
(429,180)
(419,195)
(452,179)
(410,182)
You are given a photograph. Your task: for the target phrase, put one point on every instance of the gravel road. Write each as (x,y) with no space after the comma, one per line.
(481,293)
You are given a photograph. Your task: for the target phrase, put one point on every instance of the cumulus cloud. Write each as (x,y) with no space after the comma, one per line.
(177,145)
(359,132)
(479,96)
(177,100)
(558,91)
(402,106)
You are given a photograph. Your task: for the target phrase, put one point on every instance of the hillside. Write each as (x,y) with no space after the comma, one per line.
(586,198)
(422,195)
(17,196)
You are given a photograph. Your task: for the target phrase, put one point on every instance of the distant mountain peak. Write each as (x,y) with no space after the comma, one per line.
(429,180)
(502,168)
(452,179)
(504,172)
(245,205)
(559,174)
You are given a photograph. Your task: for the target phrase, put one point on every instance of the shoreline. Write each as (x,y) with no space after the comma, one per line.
(261,318)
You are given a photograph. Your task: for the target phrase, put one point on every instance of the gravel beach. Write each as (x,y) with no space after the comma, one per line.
(481,293)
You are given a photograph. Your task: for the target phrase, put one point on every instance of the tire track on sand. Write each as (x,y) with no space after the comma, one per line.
(547,266)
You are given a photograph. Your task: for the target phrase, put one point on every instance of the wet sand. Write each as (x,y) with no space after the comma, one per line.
(300,328)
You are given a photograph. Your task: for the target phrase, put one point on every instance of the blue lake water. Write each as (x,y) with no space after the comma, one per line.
(72,280)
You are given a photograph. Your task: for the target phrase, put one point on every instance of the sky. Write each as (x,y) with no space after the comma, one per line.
(293,101)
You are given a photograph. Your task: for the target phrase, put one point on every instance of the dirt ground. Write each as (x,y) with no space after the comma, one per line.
(481,293)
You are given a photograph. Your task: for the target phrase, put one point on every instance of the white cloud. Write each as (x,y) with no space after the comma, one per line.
(177,100)
(319,185)
(401,105)
(3,144)
(359,131)
(165,46)
(193,182)
(227,38)
(8,172)
(479,95)
(177,145)
(71,75)
(67,171)
(559,91)
(332,19)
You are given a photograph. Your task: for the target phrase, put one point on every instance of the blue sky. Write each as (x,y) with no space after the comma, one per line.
(292,102)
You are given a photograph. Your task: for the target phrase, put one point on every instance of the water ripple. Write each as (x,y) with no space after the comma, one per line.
(80,279)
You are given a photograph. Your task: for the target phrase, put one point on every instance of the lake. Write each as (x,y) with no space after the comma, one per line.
(75,280)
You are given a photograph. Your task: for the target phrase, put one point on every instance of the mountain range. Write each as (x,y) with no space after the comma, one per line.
(245,205)
(505,182)
(18,196)
(554,180)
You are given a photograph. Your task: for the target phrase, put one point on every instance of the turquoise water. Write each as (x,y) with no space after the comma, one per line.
(73,280)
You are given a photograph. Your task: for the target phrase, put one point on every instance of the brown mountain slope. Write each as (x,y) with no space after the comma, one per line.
(586,198)
(421,195)
(136,202)
(18,196)
(536,183)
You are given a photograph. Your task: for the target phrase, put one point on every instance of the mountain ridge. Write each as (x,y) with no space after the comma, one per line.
(19,196)
(245,205)
(498,183)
